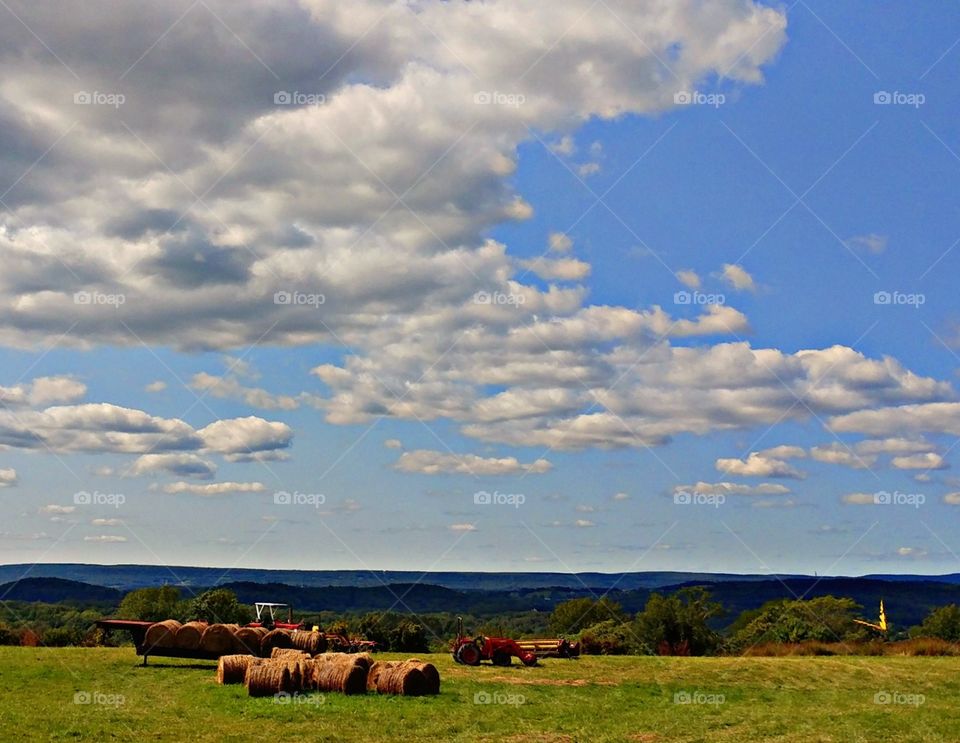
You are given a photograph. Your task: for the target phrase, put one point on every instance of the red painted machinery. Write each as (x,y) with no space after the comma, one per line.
(498,650)
(267,616)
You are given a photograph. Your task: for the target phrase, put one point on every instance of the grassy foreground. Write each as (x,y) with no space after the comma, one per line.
(102,694)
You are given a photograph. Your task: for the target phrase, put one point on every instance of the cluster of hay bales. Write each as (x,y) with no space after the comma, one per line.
(281,661)
(289,670)
(226,639)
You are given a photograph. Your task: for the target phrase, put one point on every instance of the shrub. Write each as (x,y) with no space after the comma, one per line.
(942,623)
(570,617)
(152,604)
(825,619)
(219,605)
(678,624)
(9,636)
(60,637)
(609,638)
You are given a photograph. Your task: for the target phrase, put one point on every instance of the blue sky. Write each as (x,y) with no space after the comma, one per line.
(610,432)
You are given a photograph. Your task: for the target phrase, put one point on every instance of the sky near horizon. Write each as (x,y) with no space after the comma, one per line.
(578,286)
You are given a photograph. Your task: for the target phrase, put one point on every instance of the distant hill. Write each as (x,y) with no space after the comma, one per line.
(949,578)
(422,598)
(56,590)
(126,577)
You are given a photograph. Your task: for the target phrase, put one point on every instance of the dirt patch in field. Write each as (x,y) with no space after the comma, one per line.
(550,682)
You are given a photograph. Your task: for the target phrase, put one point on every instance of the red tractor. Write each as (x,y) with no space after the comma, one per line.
(267,616)
(268,613)
(498,650)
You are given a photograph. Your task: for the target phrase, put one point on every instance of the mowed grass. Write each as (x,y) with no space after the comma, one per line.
(592,699)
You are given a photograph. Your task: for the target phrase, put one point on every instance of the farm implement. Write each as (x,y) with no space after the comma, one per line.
(267,617)
(551,648)
(500,651)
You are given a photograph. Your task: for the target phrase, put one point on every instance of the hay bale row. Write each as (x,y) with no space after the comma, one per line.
(329,672)
(162,634)
(226,639)
(268,679)
(410,678)
(232,669)
(221,639)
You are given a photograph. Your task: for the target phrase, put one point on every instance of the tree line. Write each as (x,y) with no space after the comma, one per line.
(680,623)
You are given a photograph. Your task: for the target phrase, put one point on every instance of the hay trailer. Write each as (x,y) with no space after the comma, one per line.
(551,648)
(500,651)
(138,630)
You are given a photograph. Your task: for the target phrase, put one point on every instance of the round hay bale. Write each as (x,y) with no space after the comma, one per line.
(232,669)
(373,674)
(309,642)
(430,673)
(162,634)
(296,668)
(342,674)
(364,659)
(287,653)
(401,678)
(296,674)
(336,657)
(217,638)
(247,640)
(188,635)
(308,672)
(277,638)
(267,679)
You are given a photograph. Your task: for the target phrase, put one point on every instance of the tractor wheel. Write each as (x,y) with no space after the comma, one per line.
(501,658)
(469,654)
(530,659)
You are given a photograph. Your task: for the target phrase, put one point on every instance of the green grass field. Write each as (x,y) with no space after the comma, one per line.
(592,699)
